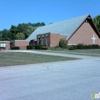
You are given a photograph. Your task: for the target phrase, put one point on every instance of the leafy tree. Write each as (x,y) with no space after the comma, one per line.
(22,27)
(0,33)
(13,32)
(38,24)
(20,36)
(5,35)
(62,43)
(21,31)
(0,38)
(28,28)
(96,20)
(29,31)
(42,24)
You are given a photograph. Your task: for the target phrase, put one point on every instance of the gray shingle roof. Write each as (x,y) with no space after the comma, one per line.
(66,27)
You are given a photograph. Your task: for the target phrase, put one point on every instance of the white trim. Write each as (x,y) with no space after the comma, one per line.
(19,40)
(4,41)
(93,38)
(72,44)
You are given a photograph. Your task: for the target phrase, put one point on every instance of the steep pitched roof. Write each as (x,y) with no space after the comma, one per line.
(67,27)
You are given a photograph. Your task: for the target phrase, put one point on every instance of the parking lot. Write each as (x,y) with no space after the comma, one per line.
(63,80)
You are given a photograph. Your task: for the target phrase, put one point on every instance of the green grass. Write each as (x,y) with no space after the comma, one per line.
(87,52)
(11,58)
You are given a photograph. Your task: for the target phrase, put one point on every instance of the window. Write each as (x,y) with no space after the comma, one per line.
(42,41)
(46,40)
(3,45)
(39,41)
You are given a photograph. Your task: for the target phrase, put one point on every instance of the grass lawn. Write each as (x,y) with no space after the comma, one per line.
(87,52)
(14,58)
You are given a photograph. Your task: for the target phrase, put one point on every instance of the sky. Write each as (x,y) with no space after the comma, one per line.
(13,12)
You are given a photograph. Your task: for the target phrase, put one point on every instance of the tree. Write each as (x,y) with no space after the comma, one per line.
(20,36)
(0,33)
(96,21)
(29,31)
(62,43)
(21,31)
(0,38)
(5,35)
(42,24)
(22,27)
(13,32)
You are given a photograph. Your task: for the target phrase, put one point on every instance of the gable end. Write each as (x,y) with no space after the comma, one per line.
(88,19)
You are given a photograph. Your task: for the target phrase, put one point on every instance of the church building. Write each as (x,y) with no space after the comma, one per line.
(76,30)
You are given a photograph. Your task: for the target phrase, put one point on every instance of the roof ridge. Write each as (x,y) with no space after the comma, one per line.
(66,20)
(62,27)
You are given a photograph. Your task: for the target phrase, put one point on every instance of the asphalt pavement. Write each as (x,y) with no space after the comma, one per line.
(63,80)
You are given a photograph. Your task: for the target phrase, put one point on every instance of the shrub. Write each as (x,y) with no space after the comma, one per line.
(93,46)
(63,43)
(55,48)
(71,47)
(30,47)
(2,48)
(89,46)
(74,46)
(39,46)
(80,46)
(44,48)
(85,47)
(15,48)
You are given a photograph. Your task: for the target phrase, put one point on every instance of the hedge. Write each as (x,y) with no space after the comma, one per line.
(83,46)
(71,47)
(30,47)
(40,46)
(93,46)
(2,47)
(44,48)
(15,48)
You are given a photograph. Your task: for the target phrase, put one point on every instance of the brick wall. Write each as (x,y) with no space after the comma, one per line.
(84,35)
(21,43)
(44,36)
(55,38)
(7,43)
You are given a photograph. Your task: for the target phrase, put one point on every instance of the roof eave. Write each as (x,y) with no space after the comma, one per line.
(96,30)
(78,27)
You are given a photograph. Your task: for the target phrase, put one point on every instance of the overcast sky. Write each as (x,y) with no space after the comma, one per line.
(13,12)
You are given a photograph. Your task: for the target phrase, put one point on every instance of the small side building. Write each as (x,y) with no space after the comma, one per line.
(4,45)
(20,43)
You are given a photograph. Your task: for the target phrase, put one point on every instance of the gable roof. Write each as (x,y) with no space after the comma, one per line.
(66,27)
